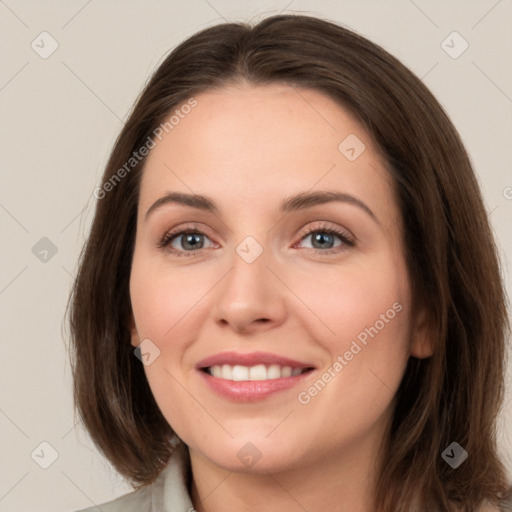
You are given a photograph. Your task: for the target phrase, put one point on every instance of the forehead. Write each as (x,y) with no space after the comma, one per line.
(254,143)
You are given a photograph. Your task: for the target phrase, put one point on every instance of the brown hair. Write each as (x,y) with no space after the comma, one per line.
(455,395)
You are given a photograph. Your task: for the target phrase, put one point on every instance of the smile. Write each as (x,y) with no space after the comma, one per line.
(250,377)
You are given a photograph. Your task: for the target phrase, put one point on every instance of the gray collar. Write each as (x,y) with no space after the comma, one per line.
(169,492)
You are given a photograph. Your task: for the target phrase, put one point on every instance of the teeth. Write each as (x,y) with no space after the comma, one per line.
(240,373)
(286,371)
(259,372)
(226,372)
(273,372)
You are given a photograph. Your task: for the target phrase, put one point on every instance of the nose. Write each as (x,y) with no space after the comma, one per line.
(250,298)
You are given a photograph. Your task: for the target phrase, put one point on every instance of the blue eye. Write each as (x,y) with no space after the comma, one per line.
(189,241)
(323,238)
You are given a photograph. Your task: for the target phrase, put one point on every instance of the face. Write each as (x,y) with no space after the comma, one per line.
(276,328)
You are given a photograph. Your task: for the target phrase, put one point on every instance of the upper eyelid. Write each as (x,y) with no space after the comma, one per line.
(195,227)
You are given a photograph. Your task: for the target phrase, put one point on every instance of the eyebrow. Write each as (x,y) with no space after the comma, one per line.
(299,201)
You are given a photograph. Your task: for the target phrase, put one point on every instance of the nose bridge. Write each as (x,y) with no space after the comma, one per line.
(248,280)
(249,292)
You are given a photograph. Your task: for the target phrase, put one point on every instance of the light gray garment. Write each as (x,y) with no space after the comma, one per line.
(168,493)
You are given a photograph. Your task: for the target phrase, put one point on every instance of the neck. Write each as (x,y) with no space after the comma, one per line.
(342,482)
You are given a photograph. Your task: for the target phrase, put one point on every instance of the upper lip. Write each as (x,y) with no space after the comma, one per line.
(250,359)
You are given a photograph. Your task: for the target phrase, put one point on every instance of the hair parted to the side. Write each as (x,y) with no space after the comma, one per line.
(451,256)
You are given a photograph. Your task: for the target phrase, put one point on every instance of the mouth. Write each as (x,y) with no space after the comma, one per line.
(250,377)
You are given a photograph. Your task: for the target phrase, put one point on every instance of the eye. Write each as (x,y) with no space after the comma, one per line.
(323,239)
(189,240)
(184,242)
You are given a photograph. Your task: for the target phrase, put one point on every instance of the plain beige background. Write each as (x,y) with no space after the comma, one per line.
(60,116)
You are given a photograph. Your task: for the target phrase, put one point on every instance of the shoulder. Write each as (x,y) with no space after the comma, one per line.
(168,492)
(136,501)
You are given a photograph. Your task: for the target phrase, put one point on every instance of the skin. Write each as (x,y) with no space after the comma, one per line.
(249,147)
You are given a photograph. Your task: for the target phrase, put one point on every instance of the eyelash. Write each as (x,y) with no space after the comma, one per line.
(192,229)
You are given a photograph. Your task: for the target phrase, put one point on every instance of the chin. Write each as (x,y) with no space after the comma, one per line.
(256,455)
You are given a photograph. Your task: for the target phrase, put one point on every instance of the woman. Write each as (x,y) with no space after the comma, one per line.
(290,297)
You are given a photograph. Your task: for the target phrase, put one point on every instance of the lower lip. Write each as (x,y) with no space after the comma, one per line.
(251,390)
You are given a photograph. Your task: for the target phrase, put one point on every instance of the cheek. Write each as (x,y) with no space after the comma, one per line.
(355,298)
(169,308)
(162,304)
(368,311)
(184,413)
(365,317)
(162,300)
